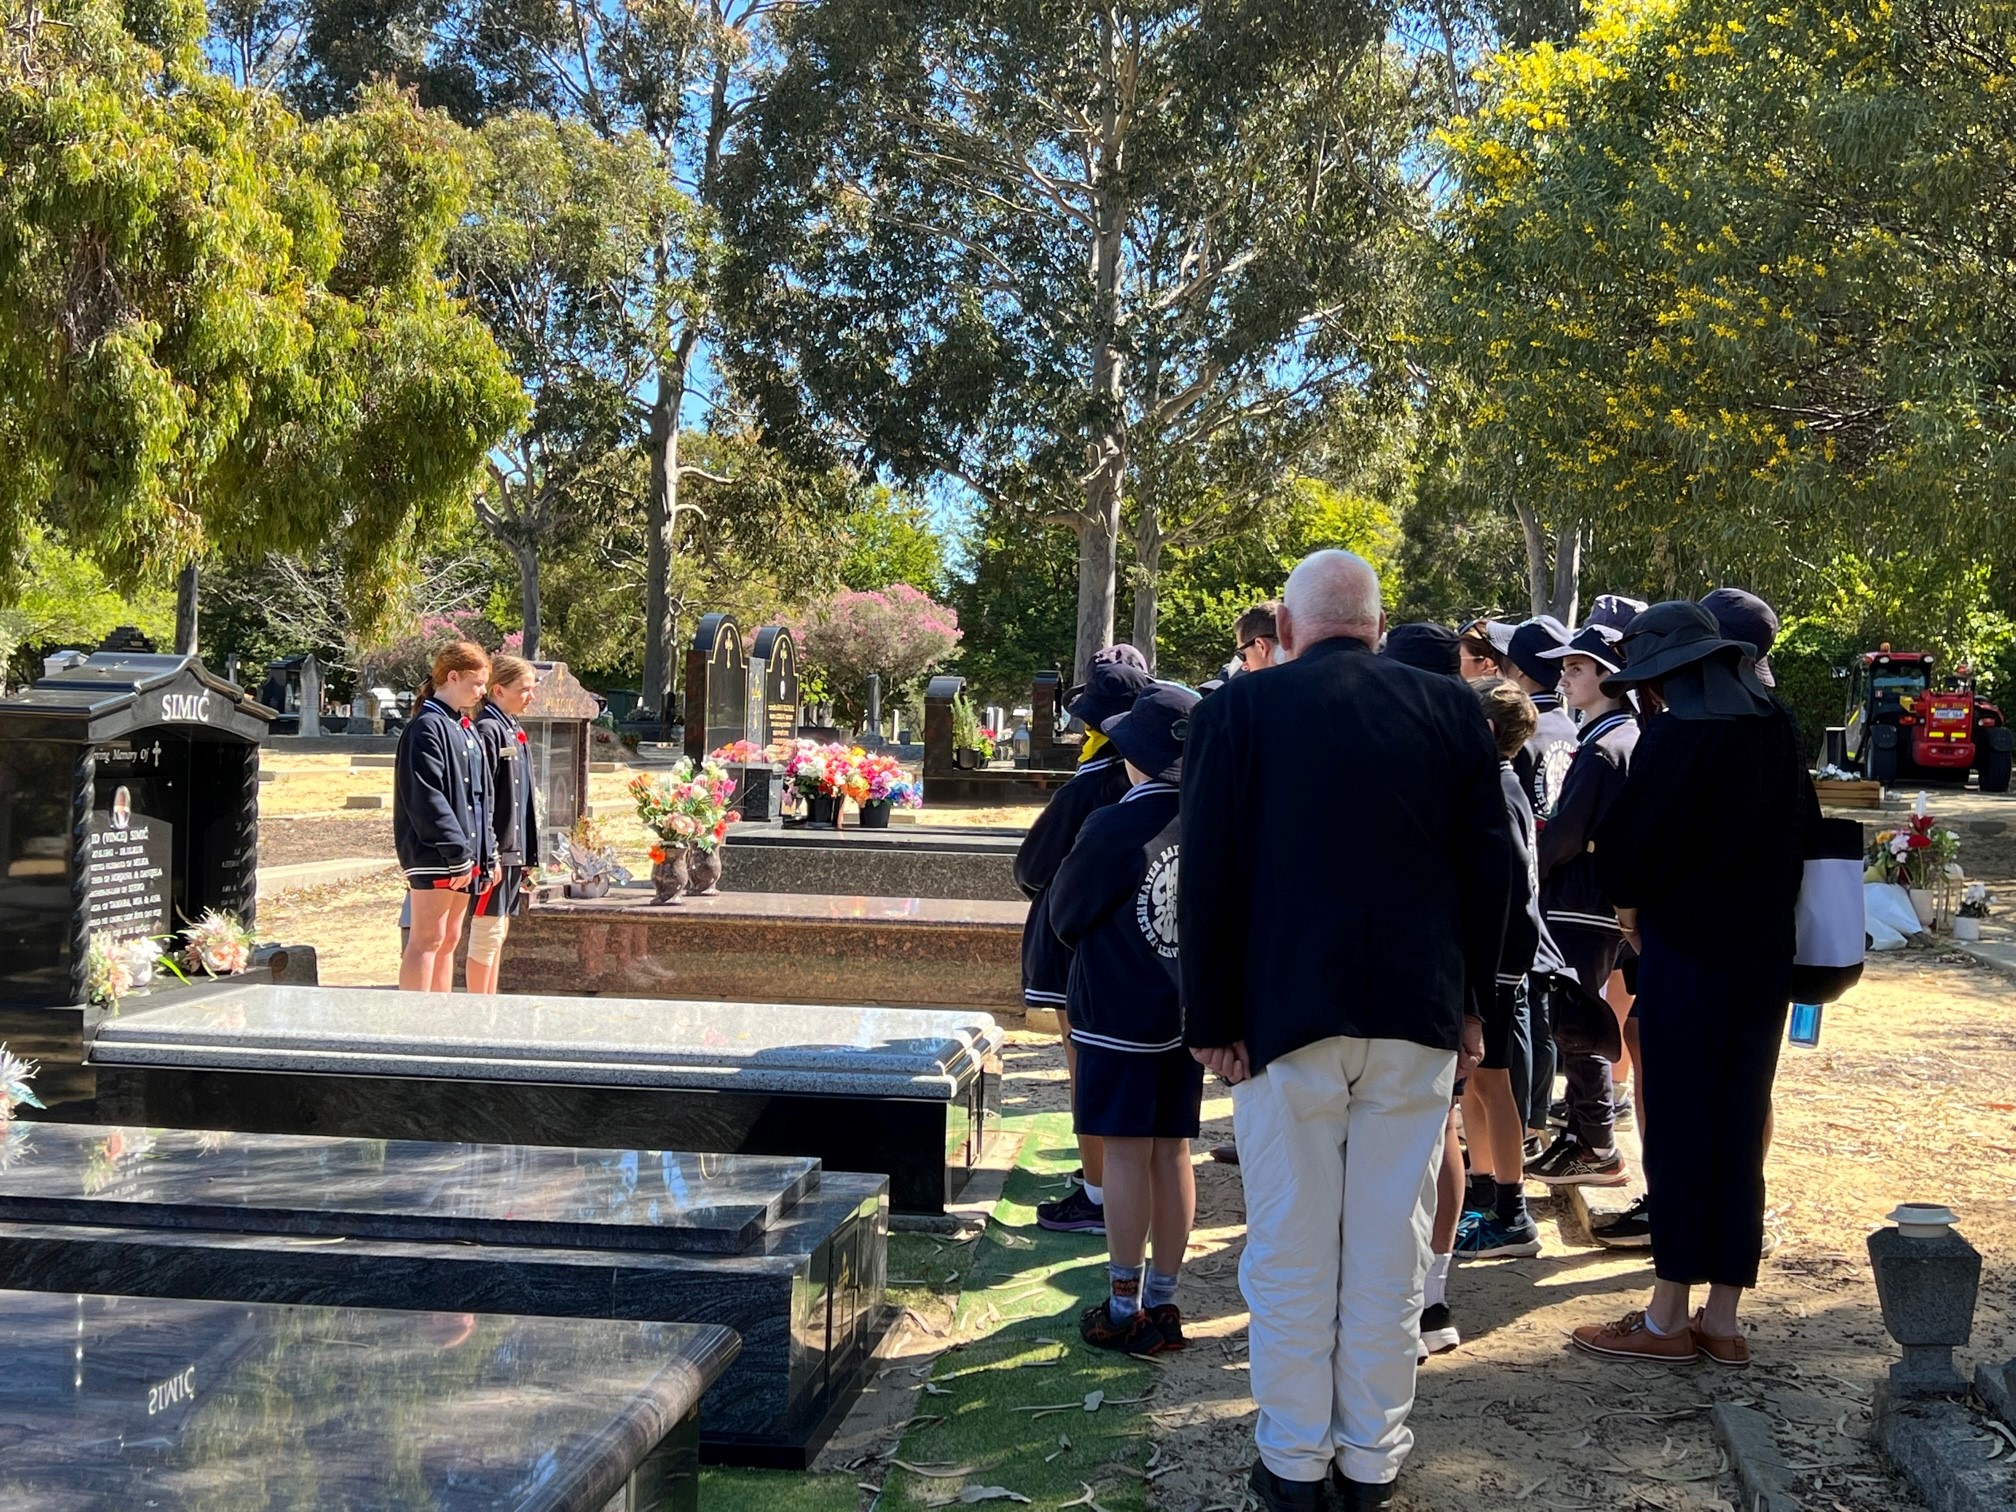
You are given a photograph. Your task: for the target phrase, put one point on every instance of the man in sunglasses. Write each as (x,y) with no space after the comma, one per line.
(1256,637)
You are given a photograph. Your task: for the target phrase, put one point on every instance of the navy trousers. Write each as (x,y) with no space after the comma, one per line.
(1592,1095)
(1712,1036)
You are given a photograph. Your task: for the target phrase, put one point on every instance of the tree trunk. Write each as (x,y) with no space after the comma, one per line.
(1563,602)
(528,599)
(1147,582)
(661,532)
(187,582)
(1106,470)
(1538,580)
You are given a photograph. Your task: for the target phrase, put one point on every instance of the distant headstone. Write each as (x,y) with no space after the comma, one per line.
(556,737)
(938,696)
(129,803)
(127,638)
(293,690)
(1046,720)
(717,687)
(773,680)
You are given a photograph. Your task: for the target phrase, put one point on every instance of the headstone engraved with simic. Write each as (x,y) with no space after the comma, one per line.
(717,687)
(129,800)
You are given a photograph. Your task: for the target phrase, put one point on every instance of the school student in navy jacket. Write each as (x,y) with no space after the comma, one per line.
(441,814)
(1111,685)
(513,817)
(1577,906)
(1138,1089)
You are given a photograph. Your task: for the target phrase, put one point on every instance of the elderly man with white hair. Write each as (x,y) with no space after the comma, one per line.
(1337,921)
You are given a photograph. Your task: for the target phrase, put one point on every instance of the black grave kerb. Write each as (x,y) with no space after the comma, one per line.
(129,801)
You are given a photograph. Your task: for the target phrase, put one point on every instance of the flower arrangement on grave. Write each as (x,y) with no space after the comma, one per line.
(1974,901)
(107,976)
(1919,854)
(748,753)
(15,1074)
(587,858)
(890,782)
(216,945)
(687,806)
(826,771)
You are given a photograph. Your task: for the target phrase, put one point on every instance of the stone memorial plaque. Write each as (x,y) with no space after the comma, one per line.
(778,655)
(131,1402)
(131,846)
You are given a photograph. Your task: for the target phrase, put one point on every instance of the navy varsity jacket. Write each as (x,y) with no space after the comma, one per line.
(1571,892)
(1114,905)
(1529,947)
(512,818)
(1046,962)
(1548,753)
(441,797)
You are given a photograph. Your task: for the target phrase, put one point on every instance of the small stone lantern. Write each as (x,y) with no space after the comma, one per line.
(1927,1278)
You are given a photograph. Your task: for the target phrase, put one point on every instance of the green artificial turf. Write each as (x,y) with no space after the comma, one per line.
(777,1491)
(1019,1308)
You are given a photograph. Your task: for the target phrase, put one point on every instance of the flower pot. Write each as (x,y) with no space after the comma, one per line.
(1966,929)
(1924,905)
(875,813)
(966,758)
(822,812)
(668,877)
(588,887)
(704,874)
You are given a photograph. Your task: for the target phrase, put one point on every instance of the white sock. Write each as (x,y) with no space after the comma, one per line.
(1654,1329)
(1438,1281)
(1096,1194)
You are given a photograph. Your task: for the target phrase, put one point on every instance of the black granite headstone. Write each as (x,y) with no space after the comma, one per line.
(717,687)
(777,655)
(129,802)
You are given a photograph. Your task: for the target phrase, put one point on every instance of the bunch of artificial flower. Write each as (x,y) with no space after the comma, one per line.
(687,806)
(217,945)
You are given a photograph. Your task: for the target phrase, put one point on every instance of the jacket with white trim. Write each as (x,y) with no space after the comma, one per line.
(1113,905)
(1046,962)
(1572,894)
(441,797)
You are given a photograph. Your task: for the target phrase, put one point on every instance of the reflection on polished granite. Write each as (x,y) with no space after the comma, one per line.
(776,947)
(800,861)
(742,1047)
(946,839)
(395,1189)
(127,1402)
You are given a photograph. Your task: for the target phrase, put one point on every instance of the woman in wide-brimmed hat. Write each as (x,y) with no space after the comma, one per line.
(1702,852)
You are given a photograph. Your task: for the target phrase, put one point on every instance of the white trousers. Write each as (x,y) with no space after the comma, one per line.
(1338,1149)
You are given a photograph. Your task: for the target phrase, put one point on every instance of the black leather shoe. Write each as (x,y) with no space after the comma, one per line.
(1359,1496)
(1278,1495)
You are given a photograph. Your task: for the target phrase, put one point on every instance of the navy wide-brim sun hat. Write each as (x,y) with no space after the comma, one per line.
(1109,689)
(1666,638)
(1152,734)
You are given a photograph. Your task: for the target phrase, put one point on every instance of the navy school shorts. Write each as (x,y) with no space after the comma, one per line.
(1127,1094)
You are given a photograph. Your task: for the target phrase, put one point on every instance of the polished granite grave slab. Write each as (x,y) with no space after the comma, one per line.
(132,1402)
(802,947)
(403,1189)
(910,861)
(901,1092)
(117,1210)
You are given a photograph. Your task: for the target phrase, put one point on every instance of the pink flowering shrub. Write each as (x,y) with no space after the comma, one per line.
(896,631)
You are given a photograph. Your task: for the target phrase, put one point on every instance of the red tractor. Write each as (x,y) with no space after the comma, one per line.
(1901,728)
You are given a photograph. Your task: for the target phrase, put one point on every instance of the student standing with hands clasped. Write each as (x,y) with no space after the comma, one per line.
(441,814)
(1137,1089)
(513,820)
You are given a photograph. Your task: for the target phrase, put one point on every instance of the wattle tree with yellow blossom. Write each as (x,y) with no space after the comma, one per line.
(1727,288)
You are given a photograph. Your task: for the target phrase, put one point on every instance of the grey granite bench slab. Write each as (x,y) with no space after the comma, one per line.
(134,1402)
(628,1042)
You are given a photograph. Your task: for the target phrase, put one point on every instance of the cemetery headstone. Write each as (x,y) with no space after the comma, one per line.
(775,654)
(127,638)
(1046,721)
(556,736)
(129,804)
(938,696)
(293,690)
(717,687)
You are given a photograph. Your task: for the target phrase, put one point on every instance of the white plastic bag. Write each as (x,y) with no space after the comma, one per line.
(1889,916)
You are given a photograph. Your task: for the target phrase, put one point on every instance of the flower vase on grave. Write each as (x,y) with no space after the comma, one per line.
(822,811)
(1925,905)
(704,874)
(669,873)
(875,814)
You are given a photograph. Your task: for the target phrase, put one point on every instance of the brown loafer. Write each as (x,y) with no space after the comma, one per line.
(1629,1339)
(1723,1349)
(1225,1154)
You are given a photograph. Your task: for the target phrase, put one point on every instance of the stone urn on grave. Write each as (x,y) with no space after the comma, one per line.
(671,872)
(1927,1280)
(703,871)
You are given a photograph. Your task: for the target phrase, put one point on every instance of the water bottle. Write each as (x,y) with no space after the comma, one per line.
(1806,1024)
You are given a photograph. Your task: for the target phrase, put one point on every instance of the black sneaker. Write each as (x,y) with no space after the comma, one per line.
(1532,1150)
(1357,1495)
(1557,1152)
(1438,1330)
(1169,1318)
(1574,1166)
(1278,1495)
(1135,1334)
(1630,1229)
(1075,1214)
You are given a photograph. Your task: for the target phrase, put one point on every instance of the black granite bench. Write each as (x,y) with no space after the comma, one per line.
(790,1257)
(905,1093)
(132,1402)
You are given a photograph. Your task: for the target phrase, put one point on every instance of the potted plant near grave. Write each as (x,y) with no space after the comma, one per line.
(687,810)
(588,860)
(1974,901)
(970,746)
(826,776)
(890,786)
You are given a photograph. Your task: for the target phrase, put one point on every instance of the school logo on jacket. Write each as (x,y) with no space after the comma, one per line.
(1155,904)
(1549,773)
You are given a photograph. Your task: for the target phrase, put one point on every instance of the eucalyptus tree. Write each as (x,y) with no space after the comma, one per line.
(1073,256)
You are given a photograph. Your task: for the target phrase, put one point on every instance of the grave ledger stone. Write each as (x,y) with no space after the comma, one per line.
(791,1257)
(130,1402)
(129,804)
(717,686)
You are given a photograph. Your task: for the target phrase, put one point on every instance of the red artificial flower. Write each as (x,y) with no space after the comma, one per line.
(1918,842)
(657,855)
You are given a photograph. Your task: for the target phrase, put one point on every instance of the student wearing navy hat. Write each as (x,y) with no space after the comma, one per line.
(1138,1091)
(1577,909)
(1117,676)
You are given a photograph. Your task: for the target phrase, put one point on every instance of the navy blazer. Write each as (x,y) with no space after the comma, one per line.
(1346,860)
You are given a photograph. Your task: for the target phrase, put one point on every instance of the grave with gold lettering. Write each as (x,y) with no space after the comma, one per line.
(129,803)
